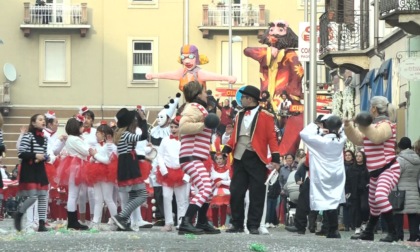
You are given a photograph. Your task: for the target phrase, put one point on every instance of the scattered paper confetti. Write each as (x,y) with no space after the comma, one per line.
(257,247)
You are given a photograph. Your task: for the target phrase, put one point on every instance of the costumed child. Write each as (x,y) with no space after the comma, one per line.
(55,144)
(195,128)
(326,166)
(220,175)
(136,219)
(156,135)
(102,172)
(69,171)
(89,137)
(33,180)
(128,175)
(171,176)
(190,59)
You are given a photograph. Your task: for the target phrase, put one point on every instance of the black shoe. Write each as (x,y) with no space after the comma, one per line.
(41,227)
(334,234)
(294,229)
(312,231)
(18,221)
(120,221)
(159,223)
(187,227)
(391,237)
(321,233)
(365,236)
(253,231)
(208,229)
(234,229)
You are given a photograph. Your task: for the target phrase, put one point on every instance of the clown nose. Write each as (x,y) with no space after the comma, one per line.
(363,119)
(211,121)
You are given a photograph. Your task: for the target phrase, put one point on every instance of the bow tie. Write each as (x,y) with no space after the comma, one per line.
(101,143)
(173,137)
(248,112)
(87,130)
(39,133)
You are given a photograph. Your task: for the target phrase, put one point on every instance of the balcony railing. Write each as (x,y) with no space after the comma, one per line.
(242,15)
(55,16)
(349,34)
(401,6)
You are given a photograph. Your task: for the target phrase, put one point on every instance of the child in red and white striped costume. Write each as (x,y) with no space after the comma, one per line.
(377,133)
(195,148)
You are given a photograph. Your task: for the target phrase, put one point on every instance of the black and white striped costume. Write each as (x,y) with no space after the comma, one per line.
(33,181)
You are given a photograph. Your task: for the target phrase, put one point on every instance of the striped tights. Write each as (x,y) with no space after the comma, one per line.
(42,205)
(380,188)
(200,179)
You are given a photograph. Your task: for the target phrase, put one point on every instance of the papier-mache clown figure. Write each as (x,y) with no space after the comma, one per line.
(190,59)
(159,132)
(281,71)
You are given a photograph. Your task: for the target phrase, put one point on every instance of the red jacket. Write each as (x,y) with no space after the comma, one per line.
(263,136)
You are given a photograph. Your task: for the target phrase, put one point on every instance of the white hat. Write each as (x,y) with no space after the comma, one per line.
(172,106)
(50,114)
(83,110)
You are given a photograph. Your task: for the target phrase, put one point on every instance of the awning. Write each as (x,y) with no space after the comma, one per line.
(385,69)
(369,77)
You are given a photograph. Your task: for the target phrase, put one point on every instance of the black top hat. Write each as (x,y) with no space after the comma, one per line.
(125,117)
(251,91)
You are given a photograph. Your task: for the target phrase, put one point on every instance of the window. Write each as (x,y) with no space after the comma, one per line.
(145,4)
(54,60)
(236,59)
(142,60)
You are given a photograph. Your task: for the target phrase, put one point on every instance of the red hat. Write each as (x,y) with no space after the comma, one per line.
(83,110)
(50,114)
(80,118)
(176,120)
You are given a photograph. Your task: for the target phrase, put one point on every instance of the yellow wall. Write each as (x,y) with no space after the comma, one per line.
(99,61)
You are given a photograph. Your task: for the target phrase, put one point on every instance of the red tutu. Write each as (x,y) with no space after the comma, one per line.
(112,171)
(172,179)
(145,168)
(51,173)
(220,200)
(96,172)
(70,165)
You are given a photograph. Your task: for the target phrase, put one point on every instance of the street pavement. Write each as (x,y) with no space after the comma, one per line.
(154,240)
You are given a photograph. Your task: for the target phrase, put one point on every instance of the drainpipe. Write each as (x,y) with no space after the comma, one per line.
(381,55)
(186,22)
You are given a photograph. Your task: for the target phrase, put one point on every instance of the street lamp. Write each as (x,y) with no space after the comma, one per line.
(231,41)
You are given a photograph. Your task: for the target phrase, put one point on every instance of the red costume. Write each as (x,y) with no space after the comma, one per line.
(263,127)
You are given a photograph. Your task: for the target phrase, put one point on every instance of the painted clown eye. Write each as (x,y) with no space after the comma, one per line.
(190,56)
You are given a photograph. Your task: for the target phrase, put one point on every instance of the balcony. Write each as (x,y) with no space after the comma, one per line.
(402,14)
(344,40)
(55,16)
(246,18)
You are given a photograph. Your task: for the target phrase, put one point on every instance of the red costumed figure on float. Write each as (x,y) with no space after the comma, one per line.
(190,59)
(281,72)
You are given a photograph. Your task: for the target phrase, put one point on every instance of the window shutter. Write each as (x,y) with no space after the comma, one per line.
(348,12)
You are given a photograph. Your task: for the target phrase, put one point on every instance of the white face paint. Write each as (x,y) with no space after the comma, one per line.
(162,118)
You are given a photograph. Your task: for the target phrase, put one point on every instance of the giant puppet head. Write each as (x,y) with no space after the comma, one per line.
(279,35)
(190,57)
(168,112)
